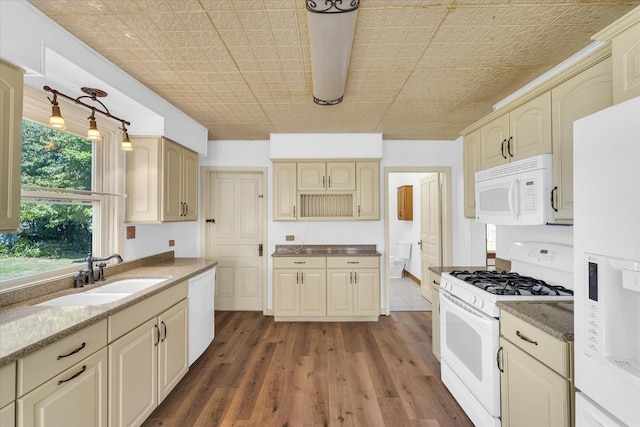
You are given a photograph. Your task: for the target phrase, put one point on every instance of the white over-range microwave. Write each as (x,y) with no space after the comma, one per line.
(517,193)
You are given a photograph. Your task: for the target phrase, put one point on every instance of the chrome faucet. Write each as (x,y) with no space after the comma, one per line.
(87,276)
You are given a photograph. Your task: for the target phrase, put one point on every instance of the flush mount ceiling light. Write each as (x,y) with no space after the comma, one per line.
(332,24)
(56,120)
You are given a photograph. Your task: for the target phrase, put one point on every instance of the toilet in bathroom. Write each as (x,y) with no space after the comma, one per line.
(397,263)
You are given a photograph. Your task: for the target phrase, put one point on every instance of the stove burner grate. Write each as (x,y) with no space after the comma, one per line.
(509,283)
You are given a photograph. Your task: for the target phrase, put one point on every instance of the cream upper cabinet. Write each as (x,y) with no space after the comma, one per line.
(10,145)
(535,376)
(284,191)
(353,286)
(624,35)
(332,176)
(471,159)
(581,95)
(523,132)
(180,182)
(162,181)
(299,287)
(324,191)
(368,194)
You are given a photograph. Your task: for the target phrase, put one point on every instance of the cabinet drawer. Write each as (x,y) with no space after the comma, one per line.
(131,317)
(7,384)
(353,262)
(551,351)
(44,364)
(299,262)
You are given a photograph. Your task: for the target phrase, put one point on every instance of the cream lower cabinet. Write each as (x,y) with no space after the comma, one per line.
(8,395)
(10,145)
(145,365)
(353,286)
(535,380)
(75,397)
(435,315)
(299,287)
(65,383)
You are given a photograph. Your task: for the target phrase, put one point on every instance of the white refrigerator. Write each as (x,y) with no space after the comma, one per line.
(606,156)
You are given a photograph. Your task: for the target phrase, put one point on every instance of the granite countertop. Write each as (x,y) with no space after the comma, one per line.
(554,318)
(25,328)
(325,250)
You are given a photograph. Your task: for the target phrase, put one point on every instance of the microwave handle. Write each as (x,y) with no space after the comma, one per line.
(513,196)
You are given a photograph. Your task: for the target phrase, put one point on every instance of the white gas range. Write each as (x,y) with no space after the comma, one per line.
(469,320)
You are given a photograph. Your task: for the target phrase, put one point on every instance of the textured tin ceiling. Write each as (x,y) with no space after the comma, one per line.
(419,69)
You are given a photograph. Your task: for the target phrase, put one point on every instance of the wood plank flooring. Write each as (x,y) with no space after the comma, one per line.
(261,373)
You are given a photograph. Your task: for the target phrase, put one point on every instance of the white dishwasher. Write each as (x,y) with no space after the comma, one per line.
(201,313)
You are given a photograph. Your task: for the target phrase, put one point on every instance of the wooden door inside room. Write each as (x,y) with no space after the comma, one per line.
(234,235)
(430,229)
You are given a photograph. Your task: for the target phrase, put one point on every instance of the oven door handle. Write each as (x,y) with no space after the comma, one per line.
(467,309)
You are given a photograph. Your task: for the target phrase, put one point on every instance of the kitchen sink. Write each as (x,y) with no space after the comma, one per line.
(83,298)
(126,286)
(105,294)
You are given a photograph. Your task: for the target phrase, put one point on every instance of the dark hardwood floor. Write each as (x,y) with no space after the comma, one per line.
(261,373)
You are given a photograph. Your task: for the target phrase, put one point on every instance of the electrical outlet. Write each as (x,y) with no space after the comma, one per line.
(131,232)
(289,237)
(172,242)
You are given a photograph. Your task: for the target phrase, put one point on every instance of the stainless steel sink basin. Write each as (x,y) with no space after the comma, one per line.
(105,294)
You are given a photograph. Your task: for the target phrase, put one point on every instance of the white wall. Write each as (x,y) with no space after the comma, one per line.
(154,238)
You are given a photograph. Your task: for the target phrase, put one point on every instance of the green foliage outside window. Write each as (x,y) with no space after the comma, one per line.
(52,159)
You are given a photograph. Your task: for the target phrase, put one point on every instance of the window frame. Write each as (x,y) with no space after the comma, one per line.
(108,182)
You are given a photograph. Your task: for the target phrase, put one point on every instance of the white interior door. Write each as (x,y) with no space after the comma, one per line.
(430,229)
(234,236)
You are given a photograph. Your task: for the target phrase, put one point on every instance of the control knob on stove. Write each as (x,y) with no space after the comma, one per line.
(473,299)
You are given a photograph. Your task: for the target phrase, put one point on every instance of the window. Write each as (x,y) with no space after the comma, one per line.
(70,203)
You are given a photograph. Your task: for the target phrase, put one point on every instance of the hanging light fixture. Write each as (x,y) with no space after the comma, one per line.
(56,120)
(93,133)
(332,25)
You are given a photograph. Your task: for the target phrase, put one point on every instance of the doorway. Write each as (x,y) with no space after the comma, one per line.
(234,234)
(409,291)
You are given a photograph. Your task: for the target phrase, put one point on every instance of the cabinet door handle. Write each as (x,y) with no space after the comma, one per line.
(355,278)
(164,327)
(297,278)
(157,335)
(302,278)
(294,211)
(329,186)
(299,262)
(498,359)
(351,277)
(186,209)
(509,146)
(84,344)
(525,338)
(353,262)
(76,375)
(504,141)
(553,199)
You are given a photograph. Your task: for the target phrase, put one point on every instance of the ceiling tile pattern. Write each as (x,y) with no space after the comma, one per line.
(419,69)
